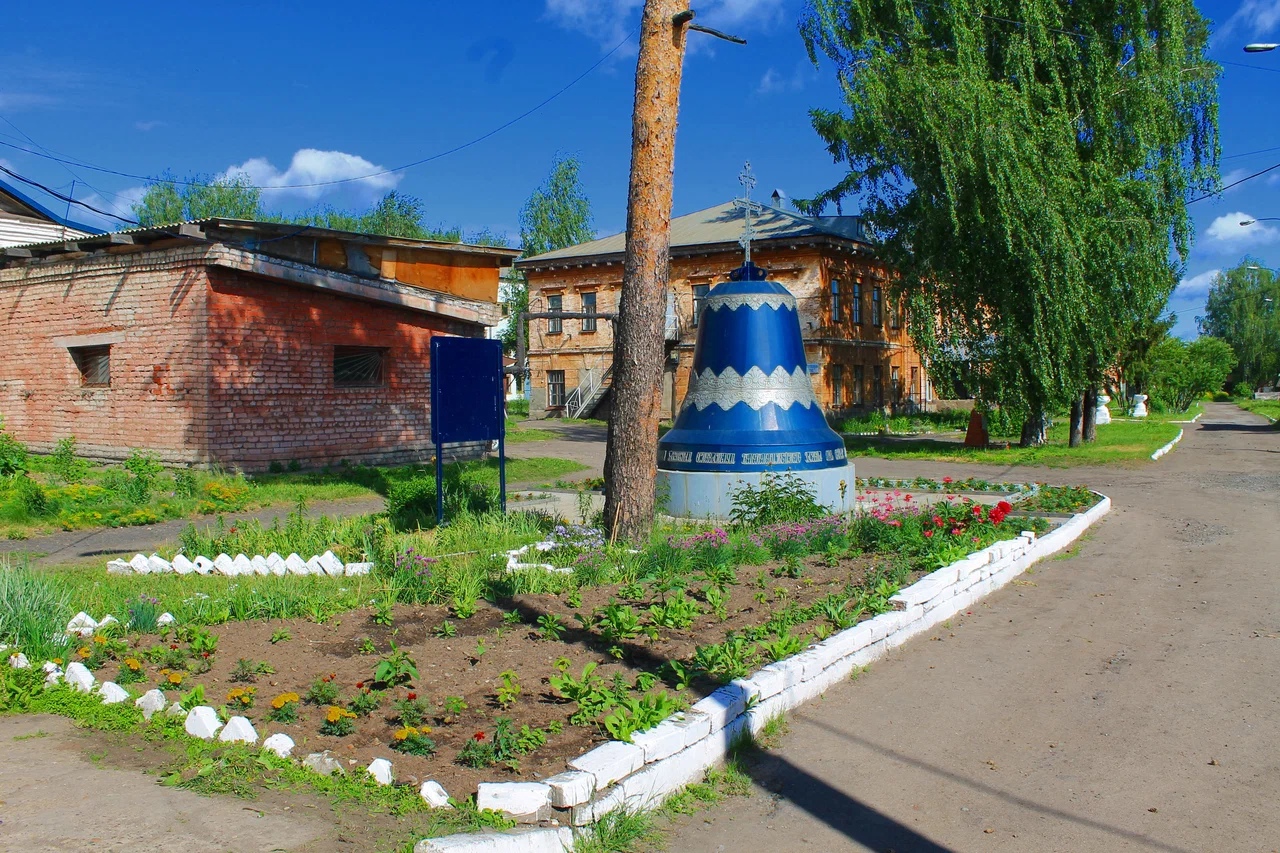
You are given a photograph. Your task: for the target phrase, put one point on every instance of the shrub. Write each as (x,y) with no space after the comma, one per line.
(34,497)
(65,464)
(13,455)
(145,468)
(779,497)
(1242,391)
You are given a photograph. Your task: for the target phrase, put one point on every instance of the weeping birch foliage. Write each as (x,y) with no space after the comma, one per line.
(1031,162)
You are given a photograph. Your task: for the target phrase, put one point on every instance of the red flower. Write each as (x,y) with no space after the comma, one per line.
(1005,507)
(928,534)
(937,521)
(946,479)
(204,655)
(955,531)
(906,497)
(173,646)
(977,510)
(413,696)
(359,685)
(478,736)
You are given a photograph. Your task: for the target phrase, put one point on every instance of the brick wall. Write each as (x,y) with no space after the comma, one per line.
(271,386)
(150,308)
(209,365)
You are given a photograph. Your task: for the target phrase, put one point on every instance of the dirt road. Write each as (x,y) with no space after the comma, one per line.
(1122,699)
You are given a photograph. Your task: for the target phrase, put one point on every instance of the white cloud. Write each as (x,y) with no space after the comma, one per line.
(1197,286)
(775,81)
(1254,18)
(1227,231)
(310,166)
(607,21)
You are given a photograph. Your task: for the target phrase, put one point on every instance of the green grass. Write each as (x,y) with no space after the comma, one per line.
(1118,442)
(1266,408)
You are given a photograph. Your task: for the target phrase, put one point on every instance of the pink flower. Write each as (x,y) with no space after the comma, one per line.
(928,534)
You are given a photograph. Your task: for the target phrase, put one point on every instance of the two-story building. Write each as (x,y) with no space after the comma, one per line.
(860,356)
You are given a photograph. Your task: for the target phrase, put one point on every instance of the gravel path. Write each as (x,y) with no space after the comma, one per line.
(1123,699)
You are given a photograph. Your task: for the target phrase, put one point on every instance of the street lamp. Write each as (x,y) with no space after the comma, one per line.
(1259,48)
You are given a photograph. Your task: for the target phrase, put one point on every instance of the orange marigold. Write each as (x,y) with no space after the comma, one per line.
(284,699)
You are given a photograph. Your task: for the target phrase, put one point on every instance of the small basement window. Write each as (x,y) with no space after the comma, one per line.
(94,364)
(359,367)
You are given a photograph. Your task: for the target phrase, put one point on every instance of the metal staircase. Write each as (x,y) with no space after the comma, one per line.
(583,399)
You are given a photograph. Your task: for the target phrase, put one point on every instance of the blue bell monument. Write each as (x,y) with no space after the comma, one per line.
(750,411)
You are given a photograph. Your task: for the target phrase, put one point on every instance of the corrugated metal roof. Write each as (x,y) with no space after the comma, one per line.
(720,224)
(250,232)
(19,230)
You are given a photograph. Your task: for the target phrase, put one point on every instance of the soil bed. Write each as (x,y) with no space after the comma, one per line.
(452,666)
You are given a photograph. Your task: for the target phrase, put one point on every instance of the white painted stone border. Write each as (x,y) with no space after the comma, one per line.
(679,751)
(1162,451)
(1198,416)
(326,564)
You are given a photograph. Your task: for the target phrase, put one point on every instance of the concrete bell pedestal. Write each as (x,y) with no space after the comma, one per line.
(708,495)
(1139,406)
(1102,415)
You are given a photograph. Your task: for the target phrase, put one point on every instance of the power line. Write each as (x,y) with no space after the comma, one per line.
(66,198)
(1235,184)
(83,165)
(1250,153)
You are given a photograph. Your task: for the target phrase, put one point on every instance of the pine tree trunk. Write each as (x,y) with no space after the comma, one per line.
(631,456)
(1077,421)
(1090,431)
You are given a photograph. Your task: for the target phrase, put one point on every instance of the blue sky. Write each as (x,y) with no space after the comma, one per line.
(295,93)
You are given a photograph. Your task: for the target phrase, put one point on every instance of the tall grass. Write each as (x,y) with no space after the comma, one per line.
(34,610)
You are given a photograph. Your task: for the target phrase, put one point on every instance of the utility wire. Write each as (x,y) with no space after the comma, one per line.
(66,198)
(1235,184)
(83,165)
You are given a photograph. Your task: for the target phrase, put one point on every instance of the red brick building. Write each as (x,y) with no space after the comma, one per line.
(233,343)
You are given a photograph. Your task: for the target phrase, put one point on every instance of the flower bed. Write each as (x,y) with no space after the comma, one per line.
(462,672)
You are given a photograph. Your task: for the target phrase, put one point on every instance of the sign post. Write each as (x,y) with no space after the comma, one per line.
(467,402)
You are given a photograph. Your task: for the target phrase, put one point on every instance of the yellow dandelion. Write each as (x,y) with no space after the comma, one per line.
(100,640)
(133,664)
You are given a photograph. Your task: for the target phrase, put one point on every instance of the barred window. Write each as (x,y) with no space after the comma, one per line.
(94,364)
(359,367)
(835,301)
(555,389)
(856,304)
(875,307)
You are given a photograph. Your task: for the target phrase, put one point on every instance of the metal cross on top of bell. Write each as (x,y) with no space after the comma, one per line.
(750,411)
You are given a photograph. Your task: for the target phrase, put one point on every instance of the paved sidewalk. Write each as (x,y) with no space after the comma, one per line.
(1123,699)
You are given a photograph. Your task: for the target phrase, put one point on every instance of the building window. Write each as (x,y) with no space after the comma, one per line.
(589,307)
(877,380)
(859,376)
(875,307)
(700,292)
(94,364)
(555,325)
(856,304)
(359,367)
(895,384)
(555,389)
(928,389)
(835,301)
(837,386)
(895,315)
(915,384)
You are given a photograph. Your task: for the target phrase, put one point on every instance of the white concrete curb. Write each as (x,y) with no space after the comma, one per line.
(640,775)
(1162,451)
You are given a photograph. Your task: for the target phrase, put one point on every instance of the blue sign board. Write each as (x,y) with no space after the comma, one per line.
(467,395)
